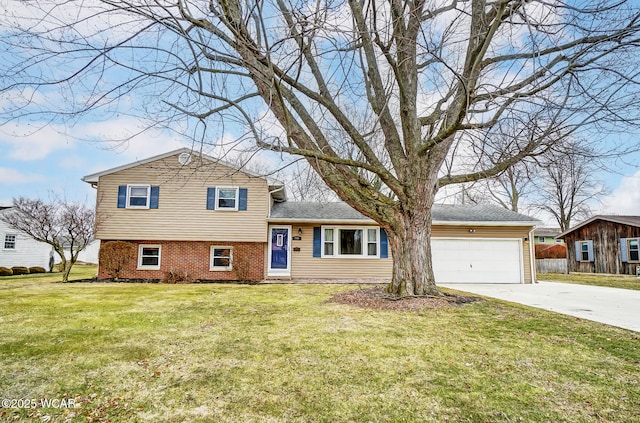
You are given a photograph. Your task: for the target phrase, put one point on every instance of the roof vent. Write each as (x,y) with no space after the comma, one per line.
(184,159)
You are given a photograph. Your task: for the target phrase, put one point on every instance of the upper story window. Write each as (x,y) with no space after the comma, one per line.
(227,199)
(541,239)
(10,242)
(138,196)
(350,241)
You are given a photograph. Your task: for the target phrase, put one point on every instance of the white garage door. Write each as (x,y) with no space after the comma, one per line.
(477,260)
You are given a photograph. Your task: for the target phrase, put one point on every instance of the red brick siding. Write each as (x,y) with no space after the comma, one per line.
(193,257)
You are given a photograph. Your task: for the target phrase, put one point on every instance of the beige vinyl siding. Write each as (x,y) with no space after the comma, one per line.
(182,213)
(304,265)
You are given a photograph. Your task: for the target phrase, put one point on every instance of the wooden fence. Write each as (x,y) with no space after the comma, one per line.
(551,265)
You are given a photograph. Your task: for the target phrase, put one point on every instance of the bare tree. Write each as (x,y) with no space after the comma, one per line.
(58,223)
(375,95)
(566,185)
(508,189)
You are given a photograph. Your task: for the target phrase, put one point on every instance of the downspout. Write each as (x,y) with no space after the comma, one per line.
(266,251)
(269,198)
(532,257)
(94,185)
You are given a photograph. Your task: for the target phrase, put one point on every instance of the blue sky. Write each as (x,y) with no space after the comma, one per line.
(54,158)
(47,161)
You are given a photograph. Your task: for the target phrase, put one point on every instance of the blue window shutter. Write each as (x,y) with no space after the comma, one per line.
(155,196)
(623,250)
(122,196)
(590,247)
(242,200)
(317,241)
(211,198)
(384,244)
(578,250)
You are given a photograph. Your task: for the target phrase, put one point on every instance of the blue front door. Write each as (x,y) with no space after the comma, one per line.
(279,249)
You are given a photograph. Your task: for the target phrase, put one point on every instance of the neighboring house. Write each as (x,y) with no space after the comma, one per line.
(604,244)
(546,236)
(88,255)
(198,215)
(19,249)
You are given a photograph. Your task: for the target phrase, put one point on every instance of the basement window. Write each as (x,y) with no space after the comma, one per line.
(221,258)
(149,257)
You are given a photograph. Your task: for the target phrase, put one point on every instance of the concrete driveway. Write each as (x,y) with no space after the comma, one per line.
(612,306)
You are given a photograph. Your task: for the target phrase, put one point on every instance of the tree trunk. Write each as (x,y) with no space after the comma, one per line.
(410,243)
(66,270)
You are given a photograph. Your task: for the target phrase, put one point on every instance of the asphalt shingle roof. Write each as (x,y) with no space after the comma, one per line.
(440,213)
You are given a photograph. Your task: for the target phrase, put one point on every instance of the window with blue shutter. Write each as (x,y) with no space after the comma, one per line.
(227,198)
(242,199)
(317,241)
(384,244)
(122,196)
(634,250)
(590,250)
(584,251)
(211,198)
(138,196)
(155,197)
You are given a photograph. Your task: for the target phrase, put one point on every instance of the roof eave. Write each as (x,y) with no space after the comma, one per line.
(93,178)
(323,221)
(591,220)
(370,221)
(486,223)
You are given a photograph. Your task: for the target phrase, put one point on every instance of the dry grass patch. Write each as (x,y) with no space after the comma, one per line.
(625,282)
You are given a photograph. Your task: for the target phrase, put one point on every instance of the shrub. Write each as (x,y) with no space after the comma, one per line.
(551,251)
(177,276)
(5,271)
(20,270)
(37,269)
(115,257)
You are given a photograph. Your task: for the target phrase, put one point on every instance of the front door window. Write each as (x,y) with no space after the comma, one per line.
(280,248)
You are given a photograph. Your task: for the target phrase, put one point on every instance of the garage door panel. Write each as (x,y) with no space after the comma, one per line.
(477,261)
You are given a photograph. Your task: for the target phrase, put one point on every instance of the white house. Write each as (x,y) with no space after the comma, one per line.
(88,255)
(19,249)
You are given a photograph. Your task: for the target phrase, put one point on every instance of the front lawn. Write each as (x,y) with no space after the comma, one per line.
(281,353)
(625,282)
(78,272)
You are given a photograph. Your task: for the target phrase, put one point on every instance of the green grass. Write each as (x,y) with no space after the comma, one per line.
(78,272)
(280,353)
(626,282)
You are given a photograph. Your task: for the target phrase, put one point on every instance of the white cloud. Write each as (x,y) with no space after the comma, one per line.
(33,142)
(9,176)
(625,199)
(137,143)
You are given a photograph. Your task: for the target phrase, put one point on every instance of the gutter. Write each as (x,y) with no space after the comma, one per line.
(269,200)
(369,221)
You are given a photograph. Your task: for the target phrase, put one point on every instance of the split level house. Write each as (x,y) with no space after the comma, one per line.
(604,244)
(194,214)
